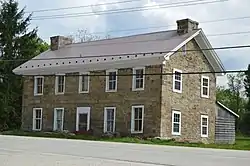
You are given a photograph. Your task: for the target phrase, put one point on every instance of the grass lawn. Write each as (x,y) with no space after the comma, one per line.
(242,143)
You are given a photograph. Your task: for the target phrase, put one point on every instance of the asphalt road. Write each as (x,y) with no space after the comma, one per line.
(25,151)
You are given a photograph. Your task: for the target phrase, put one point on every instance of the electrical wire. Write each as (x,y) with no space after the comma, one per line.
(85,6)
(115,11)
(146,74)
(173,25)
(128,54)
(212,35)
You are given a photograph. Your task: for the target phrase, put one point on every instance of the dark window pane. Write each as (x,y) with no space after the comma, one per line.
(177,85)
(176,128)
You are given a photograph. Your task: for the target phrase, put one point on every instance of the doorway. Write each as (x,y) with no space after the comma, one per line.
(82,119)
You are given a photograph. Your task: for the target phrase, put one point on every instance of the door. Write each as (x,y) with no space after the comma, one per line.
(83,122)
(82,118)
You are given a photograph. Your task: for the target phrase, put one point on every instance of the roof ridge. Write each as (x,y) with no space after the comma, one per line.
(120,37)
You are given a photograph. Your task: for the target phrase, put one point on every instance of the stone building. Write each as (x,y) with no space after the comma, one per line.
(134,85)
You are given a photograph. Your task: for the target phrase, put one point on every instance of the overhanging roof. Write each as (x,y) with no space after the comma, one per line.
(105,54)
(227,109)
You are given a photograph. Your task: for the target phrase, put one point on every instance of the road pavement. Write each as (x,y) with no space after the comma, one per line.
(28,151)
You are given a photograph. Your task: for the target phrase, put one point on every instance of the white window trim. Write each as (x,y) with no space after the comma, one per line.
(54,124)
(80,82)
(107,80)
(33,119)
(176,133)
(134,81)
(177,90)
(105,118)
(133,117)
(35,85)
(204,135)
(202,95)
(56,86)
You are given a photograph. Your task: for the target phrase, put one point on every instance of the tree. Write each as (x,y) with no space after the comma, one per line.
(233,96)
(246,119)
(83,35)
(16,42)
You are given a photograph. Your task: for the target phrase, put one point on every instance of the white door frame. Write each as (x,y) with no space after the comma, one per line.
(82,110)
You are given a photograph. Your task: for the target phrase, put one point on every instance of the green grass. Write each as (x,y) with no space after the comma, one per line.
(242,143)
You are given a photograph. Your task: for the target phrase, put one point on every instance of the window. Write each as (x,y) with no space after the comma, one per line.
(84,83)
(109,119)
(204,126)
(176,123)
(38,85)
(60,84)
(177,81)
(111,81)
(37,119)
(58,119)
(137,119)
(138,79)
(205,86)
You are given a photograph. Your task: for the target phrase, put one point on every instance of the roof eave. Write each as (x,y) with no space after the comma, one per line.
(167,56)
(210,54)
(155,60)
(223,106)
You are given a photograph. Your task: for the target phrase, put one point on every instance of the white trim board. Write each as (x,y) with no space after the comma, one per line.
(227,109)
(167,56)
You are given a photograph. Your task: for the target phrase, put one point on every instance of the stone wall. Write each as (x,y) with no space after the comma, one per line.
(189,102)
(97,99)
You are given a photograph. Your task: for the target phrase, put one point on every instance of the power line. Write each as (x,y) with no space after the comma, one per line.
(128,54)
(85,6)
(133,9)
(152,27)
(137,41)
(143,41)
(147,74)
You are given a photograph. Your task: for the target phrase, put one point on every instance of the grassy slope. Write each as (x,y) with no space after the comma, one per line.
(242,143)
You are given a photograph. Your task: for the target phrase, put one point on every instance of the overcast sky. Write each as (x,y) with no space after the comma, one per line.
(233,59)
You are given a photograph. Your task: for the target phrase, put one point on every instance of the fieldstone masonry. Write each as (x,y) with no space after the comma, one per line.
(158,99)
(189,102)
(97,99)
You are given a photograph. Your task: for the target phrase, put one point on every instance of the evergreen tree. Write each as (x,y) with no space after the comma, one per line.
(16,42)
(246,120)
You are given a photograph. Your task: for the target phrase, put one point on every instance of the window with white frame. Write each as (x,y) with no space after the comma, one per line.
(60,84)
(38,85)
(204,126)
(109,119)
(138,78)
(84,83)
(177,80)
(58,119)
(137,119)
(37,119)
(176,122)
(205,86)
(111,80)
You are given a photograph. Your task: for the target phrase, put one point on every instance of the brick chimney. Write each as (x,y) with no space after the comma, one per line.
(56,42)
(186,25)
